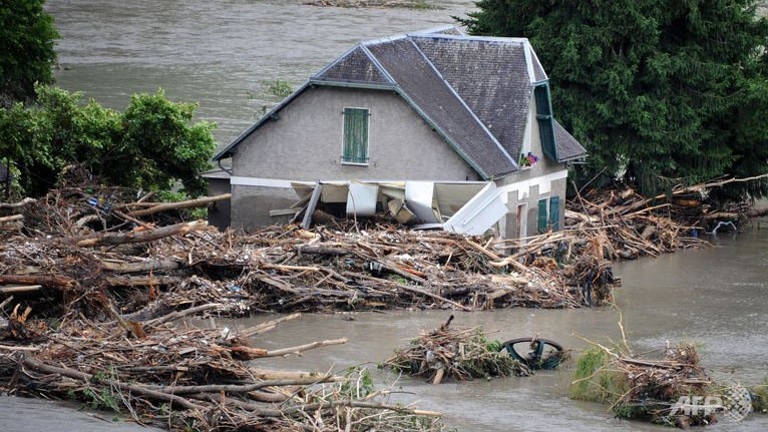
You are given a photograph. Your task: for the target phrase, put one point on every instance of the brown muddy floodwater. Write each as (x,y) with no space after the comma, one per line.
(223,54)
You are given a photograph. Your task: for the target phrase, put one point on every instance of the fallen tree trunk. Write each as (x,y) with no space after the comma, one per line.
(136,236)
(248,353)
(22,203)
(11,218)
(199,202)
(54,281)
(236,388)
(115,281)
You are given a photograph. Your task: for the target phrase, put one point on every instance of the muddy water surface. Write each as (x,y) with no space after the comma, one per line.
(222,54)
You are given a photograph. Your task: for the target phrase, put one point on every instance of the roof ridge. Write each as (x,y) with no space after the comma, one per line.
(436,30)
(384,39)
(517,40)
(378,65)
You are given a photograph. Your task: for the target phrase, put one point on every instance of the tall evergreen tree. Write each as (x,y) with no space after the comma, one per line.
(670,90)
(27,53)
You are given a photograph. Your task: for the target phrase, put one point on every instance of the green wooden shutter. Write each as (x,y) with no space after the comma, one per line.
(545,120)
(542,219)
(355,135)
(554,213)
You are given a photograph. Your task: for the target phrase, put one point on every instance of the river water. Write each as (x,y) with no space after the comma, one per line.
(223,54)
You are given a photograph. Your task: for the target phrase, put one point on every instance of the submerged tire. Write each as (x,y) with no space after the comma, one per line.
(535,353)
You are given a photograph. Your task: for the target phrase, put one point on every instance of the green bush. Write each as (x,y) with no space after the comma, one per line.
(593,381)
(154,145)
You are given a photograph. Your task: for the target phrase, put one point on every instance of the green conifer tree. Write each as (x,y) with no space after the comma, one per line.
(659,92)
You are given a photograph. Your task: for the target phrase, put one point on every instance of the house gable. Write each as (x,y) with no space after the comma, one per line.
(306,142)
(356,66)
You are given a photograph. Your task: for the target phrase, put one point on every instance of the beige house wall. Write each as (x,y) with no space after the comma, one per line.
(543,180)
(305,141)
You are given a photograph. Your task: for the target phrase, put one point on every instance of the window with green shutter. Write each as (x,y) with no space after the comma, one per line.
(541,220)
(545,120)
(548,214)
(554,213)
(355,136)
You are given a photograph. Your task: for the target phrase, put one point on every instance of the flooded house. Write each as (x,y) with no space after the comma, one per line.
(435,127)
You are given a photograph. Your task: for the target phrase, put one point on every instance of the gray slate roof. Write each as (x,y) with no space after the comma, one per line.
(568,149)
(475,91)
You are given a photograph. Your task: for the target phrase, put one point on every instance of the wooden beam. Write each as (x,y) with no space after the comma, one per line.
(307,222)
(11,218)
(109,239)
(199,202)
(19,289)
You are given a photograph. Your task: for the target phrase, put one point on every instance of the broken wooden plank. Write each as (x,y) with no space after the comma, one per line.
(310,209)
(283,212)
(19,289)
(44,280)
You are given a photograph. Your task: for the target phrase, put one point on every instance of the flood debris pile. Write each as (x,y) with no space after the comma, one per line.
(650,389)
(615,226)
(451,352)
(92,290)
(89,250)
(386,266)
(280,269)
(180,377)
(633,226)
(636,225)
(580,258)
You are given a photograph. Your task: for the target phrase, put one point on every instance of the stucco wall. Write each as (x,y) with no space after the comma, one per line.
(219,214)
(544,179)
(251,205)
(305,142)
